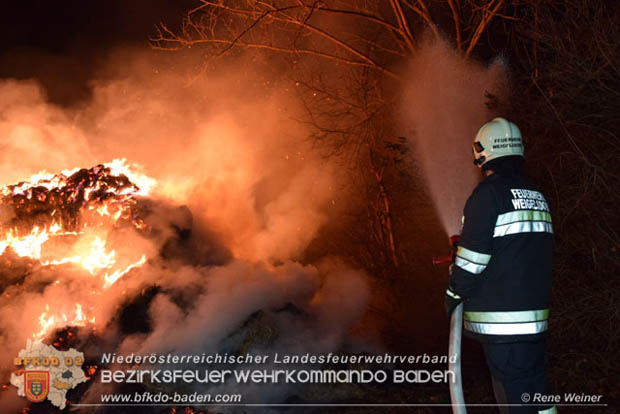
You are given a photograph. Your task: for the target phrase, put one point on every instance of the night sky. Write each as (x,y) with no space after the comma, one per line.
(62,43)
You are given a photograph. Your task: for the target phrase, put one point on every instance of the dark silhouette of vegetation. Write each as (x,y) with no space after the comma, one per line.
(568,77)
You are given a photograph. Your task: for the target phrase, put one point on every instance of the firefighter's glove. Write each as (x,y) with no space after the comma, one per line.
(451,301)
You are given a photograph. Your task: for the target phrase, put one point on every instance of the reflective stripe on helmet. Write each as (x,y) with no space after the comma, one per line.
(523,227)
(469,266)
(508,317)
(524,328)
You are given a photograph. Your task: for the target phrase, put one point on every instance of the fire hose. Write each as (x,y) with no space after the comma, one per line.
(454,343)
(454,348)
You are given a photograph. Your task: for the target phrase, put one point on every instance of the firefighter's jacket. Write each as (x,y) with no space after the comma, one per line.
(503,264)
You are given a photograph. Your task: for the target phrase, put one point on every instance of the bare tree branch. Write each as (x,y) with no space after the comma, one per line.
(266,11)
(457,26)
(488,12)
(403,24)
(370,35)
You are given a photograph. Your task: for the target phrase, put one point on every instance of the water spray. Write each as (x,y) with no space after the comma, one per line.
(454,347)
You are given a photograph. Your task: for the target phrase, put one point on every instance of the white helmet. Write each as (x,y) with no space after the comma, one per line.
(497,138)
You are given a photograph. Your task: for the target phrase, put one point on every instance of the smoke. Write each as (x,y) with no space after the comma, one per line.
(444,105)
(34,135)
(226,147)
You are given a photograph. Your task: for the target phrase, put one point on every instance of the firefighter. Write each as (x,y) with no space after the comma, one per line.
(502,270)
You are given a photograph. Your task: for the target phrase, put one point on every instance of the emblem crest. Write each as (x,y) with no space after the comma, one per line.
(37,385)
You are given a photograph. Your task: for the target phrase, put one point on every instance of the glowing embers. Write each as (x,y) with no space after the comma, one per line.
(63,199)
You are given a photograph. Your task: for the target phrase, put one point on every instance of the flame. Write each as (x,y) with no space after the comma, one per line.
(26,246)
(144,182)
(111,279)
(98,257)
(49,322)
(78,208)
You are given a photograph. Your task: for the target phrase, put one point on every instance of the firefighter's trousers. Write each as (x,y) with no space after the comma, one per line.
(519,372)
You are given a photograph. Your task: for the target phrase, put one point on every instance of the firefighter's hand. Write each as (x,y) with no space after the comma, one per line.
(451,301)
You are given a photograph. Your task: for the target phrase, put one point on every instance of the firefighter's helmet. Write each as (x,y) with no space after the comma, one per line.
(497,138)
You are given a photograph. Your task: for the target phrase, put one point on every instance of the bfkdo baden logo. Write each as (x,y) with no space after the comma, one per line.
(37,385)
(46,373)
